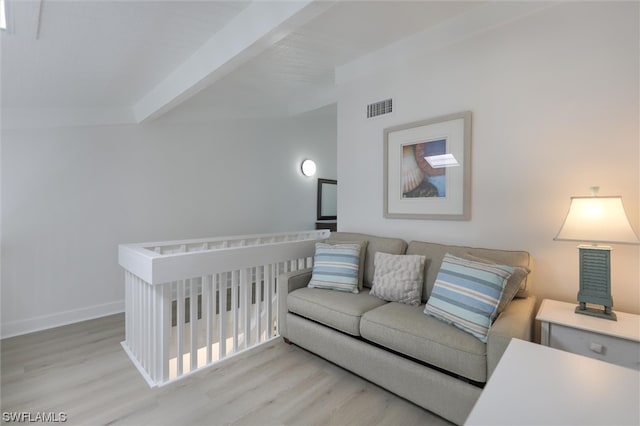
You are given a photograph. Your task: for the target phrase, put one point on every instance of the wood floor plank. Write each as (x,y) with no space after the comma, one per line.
(81,370)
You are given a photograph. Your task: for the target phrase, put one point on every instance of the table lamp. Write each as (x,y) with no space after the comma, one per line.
(596,220)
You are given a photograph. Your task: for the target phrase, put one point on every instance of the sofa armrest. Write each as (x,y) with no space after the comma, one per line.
(288,282)
(515,321)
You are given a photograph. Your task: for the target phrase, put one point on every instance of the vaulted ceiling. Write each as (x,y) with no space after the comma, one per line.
(149,57)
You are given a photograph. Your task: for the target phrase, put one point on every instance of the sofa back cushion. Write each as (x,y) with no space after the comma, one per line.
(435,253)
(375,244)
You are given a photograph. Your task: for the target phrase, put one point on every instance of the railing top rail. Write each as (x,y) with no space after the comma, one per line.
(181,247)
(158,263)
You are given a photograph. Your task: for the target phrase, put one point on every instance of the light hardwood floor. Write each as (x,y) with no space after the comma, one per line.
(82,371)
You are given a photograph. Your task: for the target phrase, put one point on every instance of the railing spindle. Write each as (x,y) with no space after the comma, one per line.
(260,278)
(207,315)
(234,308)
(180,326)
(193,323)
(246,302)
(222,297)
(267,299)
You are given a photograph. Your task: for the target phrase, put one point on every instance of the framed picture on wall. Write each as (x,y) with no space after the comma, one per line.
(427,169)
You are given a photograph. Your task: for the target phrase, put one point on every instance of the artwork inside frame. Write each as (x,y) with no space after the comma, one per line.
(427,169)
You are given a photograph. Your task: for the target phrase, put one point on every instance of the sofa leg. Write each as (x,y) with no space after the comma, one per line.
(286,340)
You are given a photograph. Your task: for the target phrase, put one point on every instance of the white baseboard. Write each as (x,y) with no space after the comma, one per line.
(17,328)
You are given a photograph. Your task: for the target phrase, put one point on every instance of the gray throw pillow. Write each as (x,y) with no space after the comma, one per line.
(398,278)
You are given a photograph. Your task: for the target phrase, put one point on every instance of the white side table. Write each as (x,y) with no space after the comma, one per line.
(617,342)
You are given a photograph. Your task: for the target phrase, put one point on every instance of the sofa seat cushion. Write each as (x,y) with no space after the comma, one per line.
(335,309)
(407,330)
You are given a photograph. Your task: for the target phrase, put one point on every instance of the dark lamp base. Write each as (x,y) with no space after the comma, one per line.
(600,313)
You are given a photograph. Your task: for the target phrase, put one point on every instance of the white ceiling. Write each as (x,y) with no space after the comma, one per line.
(151,56)
(98,53)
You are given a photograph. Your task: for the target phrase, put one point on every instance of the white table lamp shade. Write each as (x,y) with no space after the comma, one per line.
(597,220)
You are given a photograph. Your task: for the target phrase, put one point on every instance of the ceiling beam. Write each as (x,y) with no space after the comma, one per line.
(255,29)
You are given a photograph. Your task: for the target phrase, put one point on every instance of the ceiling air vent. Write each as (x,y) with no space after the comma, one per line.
(379,108)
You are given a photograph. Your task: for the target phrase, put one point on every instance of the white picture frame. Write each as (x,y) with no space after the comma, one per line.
(427,169)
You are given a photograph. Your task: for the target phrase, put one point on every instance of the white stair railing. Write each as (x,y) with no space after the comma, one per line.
(192,303)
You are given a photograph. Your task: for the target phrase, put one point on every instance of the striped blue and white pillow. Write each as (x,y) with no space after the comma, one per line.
(467,293)
(335,267)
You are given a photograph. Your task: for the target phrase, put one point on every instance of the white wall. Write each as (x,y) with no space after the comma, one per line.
(555,103)
(71,195)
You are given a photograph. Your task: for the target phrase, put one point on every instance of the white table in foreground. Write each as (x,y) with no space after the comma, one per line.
(538,385)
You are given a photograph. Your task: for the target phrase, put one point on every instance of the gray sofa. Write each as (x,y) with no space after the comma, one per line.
(427,361)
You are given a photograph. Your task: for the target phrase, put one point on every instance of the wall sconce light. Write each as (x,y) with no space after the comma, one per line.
(596,220)
(308,168)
